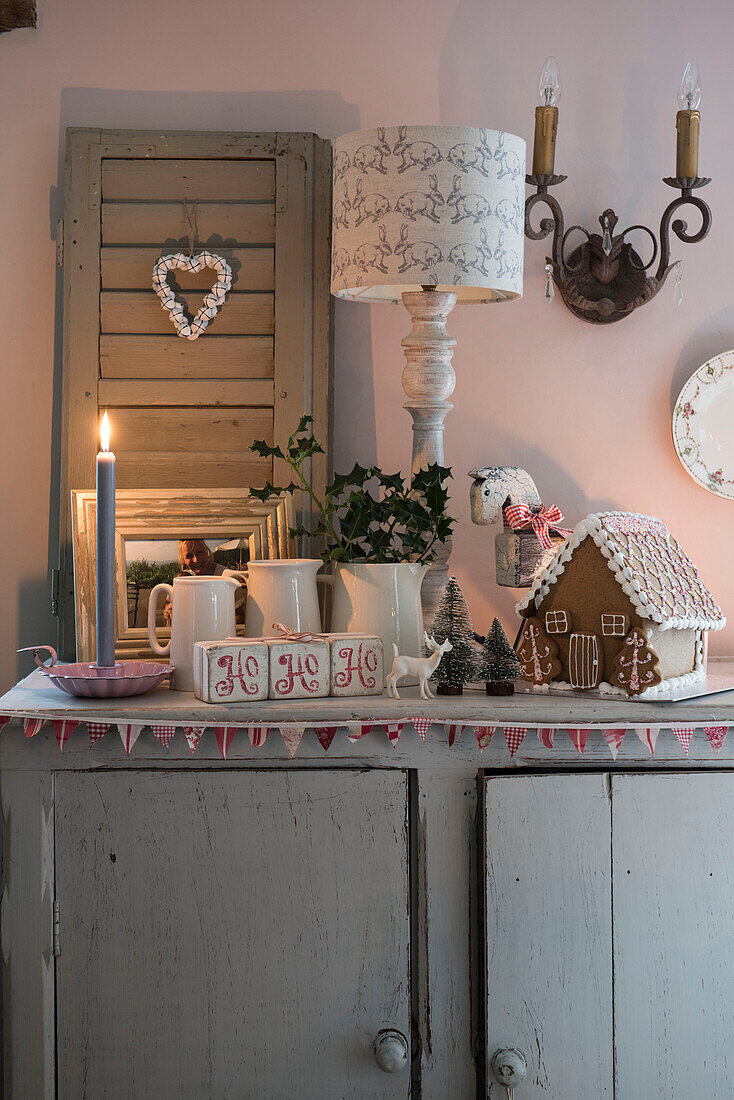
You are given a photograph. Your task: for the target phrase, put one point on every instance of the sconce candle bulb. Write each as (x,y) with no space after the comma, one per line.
(688,123)
(546,119)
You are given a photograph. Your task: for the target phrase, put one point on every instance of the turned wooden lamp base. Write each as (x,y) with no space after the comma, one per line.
(428,381)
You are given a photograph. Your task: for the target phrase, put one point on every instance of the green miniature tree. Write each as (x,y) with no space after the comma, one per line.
(452,621)
(498,664)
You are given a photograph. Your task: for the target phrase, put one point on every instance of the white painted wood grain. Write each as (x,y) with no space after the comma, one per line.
(548,933)
(231,935)
(673,926)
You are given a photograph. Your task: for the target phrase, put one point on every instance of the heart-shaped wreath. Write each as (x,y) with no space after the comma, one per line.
(213,299)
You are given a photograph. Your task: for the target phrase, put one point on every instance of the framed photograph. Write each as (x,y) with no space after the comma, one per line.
(159,534)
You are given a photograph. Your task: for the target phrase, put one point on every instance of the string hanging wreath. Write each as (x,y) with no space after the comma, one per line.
(213,299)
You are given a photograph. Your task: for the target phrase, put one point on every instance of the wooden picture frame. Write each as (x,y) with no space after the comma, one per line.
(166,514)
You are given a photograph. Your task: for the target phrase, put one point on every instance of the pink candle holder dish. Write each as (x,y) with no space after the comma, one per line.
(88,680)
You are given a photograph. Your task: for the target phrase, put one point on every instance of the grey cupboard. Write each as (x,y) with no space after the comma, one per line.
(187,926)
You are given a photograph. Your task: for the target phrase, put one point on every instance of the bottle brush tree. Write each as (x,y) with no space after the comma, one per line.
(498,662)
(459,666)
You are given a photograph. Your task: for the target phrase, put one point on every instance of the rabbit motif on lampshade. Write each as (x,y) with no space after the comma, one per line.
(428,205)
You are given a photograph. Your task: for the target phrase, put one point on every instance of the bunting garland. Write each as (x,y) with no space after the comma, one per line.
(293,735)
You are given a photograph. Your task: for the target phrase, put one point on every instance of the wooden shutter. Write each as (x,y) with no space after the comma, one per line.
(184,413)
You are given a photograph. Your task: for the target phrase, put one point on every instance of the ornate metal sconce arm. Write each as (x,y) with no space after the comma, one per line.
(553,225)
(680,227)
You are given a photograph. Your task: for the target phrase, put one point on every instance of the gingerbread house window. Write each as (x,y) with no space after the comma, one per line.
(557,622)
(614,624)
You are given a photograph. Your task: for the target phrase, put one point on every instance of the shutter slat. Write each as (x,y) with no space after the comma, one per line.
(141,312)
(132,269)
(210,356)
(164,224)
(201,470)
(232,393)
(184,429)
(218,180)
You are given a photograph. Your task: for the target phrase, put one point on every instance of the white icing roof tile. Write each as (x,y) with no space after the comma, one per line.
(650,566)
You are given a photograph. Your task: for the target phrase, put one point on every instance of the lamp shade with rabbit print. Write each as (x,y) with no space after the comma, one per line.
(438,206)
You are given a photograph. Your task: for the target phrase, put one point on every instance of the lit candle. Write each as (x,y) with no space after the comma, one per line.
(546,119)
(105,550)
(688,123)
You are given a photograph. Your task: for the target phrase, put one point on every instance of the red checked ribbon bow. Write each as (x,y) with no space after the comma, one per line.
(519,515)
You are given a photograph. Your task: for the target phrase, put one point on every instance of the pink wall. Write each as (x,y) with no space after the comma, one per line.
(585,409)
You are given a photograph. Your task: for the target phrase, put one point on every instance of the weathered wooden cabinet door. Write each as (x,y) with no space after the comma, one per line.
(230,936)
(549,933)
(673,933)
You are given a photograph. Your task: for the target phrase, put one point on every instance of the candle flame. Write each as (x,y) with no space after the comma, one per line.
(104,433)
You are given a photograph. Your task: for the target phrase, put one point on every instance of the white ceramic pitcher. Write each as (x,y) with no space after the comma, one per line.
(383,599)
(282,590)
(203,611)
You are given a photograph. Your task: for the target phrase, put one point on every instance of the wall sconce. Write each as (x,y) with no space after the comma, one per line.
(603,279)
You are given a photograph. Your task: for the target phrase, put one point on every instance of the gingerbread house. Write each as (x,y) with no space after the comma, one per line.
(620,609)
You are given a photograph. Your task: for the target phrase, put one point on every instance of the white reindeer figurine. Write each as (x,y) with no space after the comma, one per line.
(422,667)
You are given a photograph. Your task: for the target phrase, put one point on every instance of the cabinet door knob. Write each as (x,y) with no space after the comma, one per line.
(391,1050)
(509,1067)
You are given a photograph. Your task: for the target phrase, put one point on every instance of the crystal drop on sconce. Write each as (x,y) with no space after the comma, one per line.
(549,85)
(550,291)
(689,94)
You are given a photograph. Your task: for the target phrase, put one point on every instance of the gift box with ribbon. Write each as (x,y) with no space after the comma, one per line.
(528,542)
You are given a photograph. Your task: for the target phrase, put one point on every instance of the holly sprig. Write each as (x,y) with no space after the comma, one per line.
(365,515)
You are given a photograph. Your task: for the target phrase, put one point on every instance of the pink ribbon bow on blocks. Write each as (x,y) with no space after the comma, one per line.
(288,635)
(519,516)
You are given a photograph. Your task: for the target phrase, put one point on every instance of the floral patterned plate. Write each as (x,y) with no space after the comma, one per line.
(703,419)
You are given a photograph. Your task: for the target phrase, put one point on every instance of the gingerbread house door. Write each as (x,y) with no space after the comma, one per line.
(584,662)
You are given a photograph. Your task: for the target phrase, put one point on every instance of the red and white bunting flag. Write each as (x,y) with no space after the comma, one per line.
(684,735)
(292,738)
(164,734)
(356,730)
(579,739)
(63,728)
(258,735)
(225,737)
(359,729)
(129,735)
(614,739)
(393,731)
(193,735)
(453,731)
(715,735)
(4,719)
(648,737)
(325,735)
(484,735)
(514,736)
(421,726)
(546,737)
(96,731)
(31,726)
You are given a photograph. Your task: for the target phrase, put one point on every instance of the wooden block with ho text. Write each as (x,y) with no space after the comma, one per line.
(231,671)
(299,670)
(357,664)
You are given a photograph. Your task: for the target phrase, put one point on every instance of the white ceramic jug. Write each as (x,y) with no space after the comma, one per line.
(382,599)
(281,590)
(203,611)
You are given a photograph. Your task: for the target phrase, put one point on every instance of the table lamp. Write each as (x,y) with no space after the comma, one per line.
(428,215)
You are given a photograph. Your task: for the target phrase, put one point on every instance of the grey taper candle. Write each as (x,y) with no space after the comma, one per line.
(105,552)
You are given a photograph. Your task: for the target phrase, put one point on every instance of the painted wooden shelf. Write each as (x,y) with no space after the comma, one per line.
(36,697)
